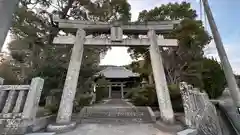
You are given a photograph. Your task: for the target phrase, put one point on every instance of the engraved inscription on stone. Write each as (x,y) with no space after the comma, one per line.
(114,114)
(130,114)
(209,125)
(200,113)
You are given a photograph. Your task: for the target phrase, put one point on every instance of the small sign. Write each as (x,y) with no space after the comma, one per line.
(116,34)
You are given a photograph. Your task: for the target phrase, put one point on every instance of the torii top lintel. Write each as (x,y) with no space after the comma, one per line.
(103,27)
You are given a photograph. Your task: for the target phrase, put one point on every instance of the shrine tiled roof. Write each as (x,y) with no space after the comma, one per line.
(117,72)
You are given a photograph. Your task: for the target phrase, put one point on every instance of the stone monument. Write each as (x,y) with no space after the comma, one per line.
(200,113)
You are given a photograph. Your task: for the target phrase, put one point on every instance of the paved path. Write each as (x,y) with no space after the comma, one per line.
(116,128)
(227,107)
(109,129)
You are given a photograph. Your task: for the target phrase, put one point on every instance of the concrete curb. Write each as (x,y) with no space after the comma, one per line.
(188,132)
(106,101)
(52,133)
(82,112)
(130,104)
(173,128)
(61,128)
(42,122)
(152,114)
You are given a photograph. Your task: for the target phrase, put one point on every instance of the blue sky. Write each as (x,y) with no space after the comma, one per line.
(226,14)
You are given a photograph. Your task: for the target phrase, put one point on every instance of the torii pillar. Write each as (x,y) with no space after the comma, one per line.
(162,91)
(7,8)
(64,115)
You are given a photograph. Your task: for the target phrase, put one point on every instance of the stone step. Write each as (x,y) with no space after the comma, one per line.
(41,133)
(110,109)
(114,114)
(113,109)
(112,121)
(146,118)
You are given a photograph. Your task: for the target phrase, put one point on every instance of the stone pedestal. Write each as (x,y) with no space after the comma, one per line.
(160,80)
(63,122)
(61,128)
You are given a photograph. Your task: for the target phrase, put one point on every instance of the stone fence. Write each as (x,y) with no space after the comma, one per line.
(18,106)
(200,113)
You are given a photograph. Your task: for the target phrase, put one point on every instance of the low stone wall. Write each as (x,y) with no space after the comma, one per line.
(200,113)
(18,106)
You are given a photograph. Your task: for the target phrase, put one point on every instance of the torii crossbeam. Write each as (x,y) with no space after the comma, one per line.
(105,28)
(70,40)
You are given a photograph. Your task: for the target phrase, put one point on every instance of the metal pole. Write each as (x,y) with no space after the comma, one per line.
(231,81)
(7,8)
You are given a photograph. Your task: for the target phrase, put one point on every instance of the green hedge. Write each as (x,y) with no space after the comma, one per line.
(101,93)
(80,101)
(147,97)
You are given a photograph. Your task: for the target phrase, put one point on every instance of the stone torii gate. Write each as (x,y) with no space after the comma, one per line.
(83,28)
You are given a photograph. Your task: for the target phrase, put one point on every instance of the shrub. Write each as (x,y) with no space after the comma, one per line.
(208,76)
(102,89)
(131,92)
(53,108)
(42,111)
(213,78)
(146,96)
(176,98)
(80,101)
(150,95)
(101,93)
(174,91)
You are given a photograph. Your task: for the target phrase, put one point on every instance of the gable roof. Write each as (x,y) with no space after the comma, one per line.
(117,72)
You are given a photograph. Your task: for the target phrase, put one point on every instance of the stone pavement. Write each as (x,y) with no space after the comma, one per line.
(227,108)
(109,129)
(106,127)
(114,111)
(116,128)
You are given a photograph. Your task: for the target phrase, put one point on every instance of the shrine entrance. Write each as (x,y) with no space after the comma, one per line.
(116,32)
(116,91)
(120,80)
